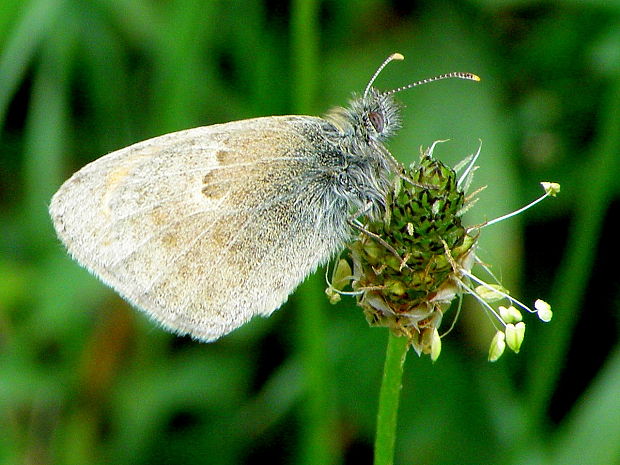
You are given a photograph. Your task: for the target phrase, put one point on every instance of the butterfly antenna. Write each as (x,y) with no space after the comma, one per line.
(469,76)
(392,57)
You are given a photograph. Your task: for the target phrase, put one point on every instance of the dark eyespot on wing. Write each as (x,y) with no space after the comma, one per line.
(213,187)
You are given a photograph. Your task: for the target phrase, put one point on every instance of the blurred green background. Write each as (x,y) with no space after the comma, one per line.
(85,379)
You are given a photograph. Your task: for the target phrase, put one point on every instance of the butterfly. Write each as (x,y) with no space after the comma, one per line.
(203,229)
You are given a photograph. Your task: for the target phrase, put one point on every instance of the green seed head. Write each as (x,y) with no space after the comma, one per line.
(407,268)
(409,291)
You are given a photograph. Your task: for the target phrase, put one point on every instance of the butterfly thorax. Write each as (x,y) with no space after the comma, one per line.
(368,168)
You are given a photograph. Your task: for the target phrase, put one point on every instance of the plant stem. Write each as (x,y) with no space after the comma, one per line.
(305,53)
(318,445)
(389,397)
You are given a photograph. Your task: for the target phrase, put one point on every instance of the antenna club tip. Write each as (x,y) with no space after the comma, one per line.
(397,56)
(475,77)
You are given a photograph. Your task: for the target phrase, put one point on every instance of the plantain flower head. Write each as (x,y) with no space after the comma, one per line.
(407,268)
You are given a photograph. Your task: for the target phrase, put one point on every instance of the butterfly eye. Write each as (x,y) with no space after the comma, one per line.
(377,120)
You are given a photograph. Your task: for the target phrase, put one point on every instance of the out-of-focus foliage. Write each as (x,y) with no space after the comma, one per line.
(85,379)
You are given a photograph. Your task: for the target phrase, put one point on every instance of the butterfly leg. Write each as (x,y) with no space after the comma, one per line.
(357,225)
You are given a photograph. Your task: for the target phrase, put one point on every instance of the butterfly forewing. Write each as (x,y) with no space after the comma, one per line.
(190,226)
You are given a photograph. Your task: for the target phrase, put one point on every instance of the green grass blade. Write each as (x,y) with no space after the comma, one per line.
(590,435)
(594,196)
(46,137)
(15,56)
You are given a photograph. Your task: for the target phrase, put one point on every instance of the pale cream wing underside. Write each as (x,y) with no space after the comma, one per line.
(202,229)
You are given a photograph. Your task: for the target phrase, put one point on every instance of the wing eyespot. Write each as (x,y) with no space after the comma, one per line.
(212,187)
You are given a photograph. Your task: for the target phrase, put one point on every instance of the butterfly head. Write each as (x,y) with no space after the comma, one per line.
(374,116)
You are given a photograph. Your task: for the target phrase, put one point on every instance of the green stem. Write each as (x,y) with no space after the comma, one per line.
(305,53)
(389,397)
(318,444)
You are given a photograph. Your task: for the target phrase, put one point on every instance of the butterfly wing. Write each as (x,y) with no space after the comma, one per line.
(203,229)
